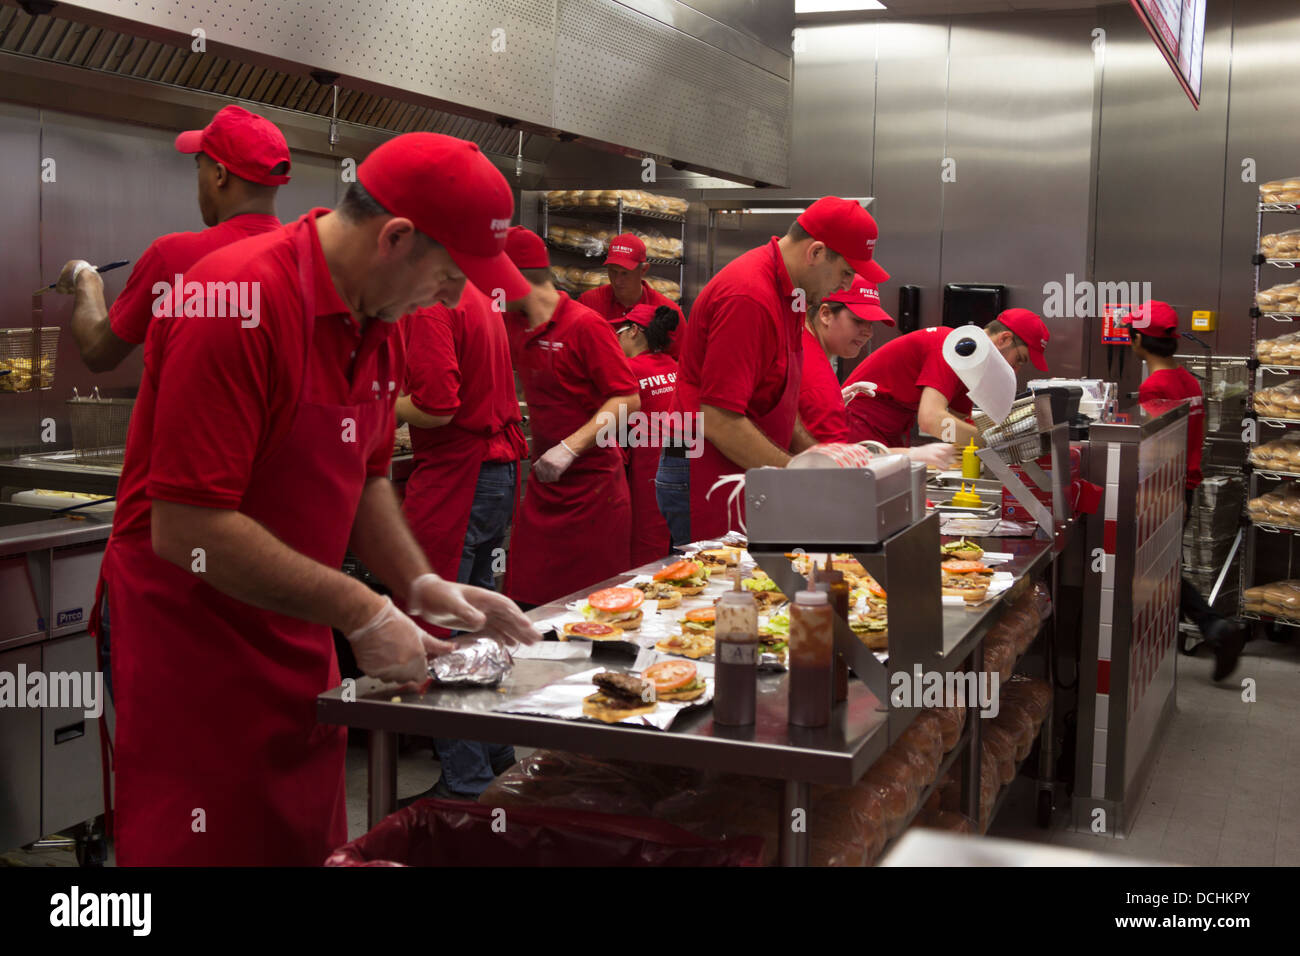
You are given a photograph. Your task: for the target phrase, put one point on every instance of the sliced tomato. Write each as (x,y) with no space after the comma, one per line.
(875,590)
(702,615)
(964,567)
(670,675)
(616,599)
(679,571)
(592,629)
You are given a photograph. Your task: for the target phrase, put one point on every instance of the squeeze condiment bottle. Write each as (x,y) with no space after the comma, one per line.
(833,583)
(970,461)
(735,669)
(811,653)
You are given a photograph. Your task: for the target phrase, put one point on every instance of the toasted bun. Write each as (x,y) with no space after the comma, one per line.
(972,595)
(688,592)
(875,640)
(966,554)
(571,630)
(598,706)
(702,650)
(669,601)
(684,694)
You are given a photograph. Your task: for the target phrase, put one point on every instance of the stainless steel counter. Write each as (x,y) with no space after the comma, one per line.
(838,754)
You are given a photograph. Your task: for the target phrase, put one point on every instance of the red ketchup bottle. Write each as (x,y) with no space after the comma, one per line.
(812,651)
(735,670)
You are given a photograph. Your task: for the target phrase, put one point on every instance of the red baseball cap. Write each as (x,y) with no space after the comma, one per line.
(849,230)
(1156,319)
(248,145)
(455,196)
(862,299)
(626,250)
(1032,331)
(638,315)
(526,249)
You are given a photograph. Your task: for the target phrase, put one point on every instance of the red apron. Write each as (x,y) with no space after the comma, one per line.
(219,758)
(656,374)
(710,516)
(571,533)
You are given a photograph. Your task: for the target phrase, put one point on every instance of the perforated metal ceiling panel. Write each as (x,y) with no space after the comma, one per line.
(619,74)
(441,49)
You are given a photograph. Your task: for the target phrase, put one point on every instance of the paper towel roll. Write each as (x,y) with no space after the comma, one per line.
(986,374)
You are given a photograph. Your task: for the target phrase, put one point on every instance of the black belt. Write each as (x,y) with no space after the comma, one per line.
(675,451)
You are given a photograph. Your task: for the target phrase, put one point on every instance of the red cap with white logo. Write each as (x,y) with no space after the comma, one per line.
(248,145)
(862,298)
(1032,331)
(626,250)
(526,249)
(1156,319)
(455,196)
(849,230)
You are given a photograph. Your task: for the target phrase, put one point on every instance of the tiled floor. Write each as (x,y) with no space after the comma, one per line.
(1226,787)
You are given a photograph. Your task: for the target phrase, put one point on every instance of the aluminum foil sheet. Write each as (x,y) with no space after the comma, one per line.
(479,662)
(563,699)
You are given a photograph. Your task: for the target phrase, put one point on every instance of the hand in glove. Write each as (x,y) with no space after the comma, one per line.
(850,392)
(68,277)
(939,454)
(392,647)
(462,607)
(554,463)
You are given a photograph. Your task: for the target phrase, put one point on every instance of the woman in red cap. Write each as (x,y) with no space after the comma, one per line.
(574,524)
(645,334)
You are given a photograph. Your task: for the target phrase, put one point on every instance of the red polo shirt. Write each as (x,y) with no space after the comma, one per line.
(168,256)
(902,369)
(458,364)
(570,365)
(821,403)
(734,350)
(601,301)
(1177,385)
(216,397)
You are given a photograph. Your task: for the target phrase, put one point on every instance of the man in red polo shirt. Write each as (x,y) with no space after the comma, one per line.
(574,526)
(258,457)
(460,403)
(915,385)
(742,356)
(627,267)
(242,160)
(1154,340)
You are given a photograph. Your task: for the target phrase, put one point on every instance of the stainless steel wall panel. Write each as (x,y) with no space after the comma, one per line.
(621,78)
(1020,132)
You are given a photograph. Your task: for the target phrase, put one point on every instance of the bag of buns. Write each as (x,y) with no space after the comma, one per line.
(922,746)
(999,747)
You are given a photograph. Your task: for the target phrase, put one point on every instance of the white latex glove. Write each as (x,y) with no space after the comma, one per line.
(68,277)
(939,454)
(392,647)
(554,463)
(463,607)
(850,392)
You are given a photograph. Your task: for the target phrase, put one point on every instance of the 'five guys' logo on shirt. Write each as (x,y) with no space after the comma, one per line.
(668,378)
(550,345)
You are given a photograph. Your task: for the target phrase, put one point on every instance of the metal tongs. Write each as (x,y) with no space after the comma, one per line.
(101,269)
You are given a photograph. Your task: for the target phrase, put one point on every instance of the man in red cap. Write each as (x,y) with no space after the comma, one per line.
(242,160)
(1154,340)
(915,385)
(742,355)
(627,267)
(257,457)
(574,526)
(467,442)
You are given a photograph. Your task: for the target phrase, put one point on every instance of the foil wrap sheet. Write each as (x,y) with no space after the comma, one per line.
(482,662)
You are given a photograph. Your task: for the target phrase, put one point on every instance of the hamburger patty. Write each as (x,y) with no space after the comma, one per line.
(621,687)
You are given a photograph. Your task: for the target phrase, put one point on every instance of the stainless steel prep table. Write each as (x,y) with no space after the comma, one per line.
(836,755)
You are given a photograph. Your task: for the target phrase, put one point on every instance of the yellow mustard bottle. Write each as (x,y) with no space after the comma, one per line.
(970,461)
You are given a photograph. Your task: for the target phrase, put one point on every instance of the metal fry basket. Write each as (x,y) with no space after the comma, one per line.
(26,359)
(1019,437)
(99,428)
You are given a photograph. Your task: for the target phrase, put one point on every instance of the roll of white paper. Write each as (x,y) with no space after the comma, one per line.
(986,374)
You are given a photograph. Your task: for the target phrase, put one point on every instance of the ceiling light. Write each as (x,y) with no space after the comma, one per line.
(836,6)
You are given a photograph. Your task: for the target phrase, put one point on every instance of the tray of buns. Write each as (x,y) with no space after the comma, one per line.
(1281,456)
(1278,509)
(636,201)
(1280,192)
(1281,599)
(1282,351)
(1279,403)
(1283,298)
(1281,245)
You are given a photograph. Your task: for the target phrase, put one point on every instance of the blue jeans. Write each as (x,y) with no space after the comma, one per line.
(468,766)
(673,495)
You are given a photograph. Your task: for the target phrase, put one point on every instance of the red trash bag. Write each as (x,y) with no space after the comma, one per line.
(456,833)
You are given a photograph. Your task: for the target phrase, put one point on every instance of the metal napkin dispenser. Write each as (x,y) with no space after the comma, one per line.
(833,506)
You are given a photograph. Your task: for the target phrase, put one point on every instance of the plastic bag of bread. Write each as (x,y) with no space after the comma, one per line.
(1279,599)
(1041,600)
(948,820)
(951,722)
(923,753)
(894,767)
(926,734)
(1284,297)
(989,788)
(999,658)
(999,746)
(1031,693)
(1016,720)
(1281,245)
(1280,190)
(852,817)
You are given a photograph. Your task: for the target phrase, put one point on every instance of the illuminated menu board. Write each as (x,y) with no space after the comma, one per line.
(1178,27)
